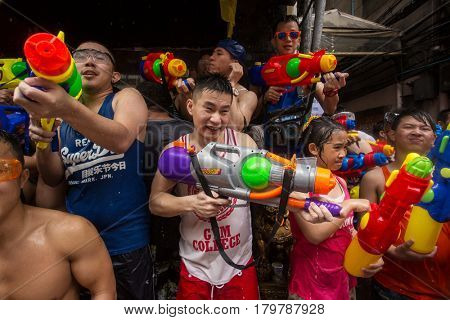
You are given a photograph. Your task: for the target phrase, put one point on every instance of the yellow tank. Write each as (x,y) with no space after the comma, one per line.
(423,230)
(357,258)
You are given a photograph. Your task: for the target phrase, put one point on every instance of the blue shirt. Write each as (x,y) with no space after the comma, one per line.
(107,188)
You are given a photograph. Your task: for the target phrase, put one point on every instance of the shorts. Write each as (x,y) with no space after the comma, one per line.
(134,275)
(243,286)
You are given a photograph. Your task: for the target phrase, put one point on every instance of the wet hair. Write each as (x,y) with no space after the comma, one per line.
(417,114)
(443,116)
(213,82)
(155,95)
(14,144)
(319,131)
(283,20)
(377,127)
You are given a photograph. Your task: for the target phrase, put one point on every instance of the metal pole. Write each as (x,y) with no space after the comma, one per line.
(306,12)
(318,24)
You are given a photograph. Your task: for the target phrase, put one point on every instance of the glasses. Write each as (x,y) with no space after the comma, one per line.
(82,55)
(10,169)
(282,35)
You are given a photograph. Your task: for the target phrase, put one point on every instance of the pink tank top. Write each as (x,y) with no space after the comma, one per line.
(197,246)
(317,271)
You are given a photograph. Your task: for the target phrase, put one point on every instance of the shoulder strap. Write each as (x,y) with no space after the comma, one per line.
(284,197)
(213,221)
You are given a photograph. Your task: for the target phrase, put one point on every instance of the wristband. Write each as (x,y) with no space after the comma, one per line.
(331,92)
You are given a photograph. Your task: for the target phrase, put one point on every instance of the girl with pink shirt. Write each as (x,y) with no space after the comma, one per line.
(317,257)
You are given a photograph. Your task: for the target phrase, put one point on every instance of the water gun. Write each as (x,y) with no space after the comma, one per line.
(363,161)
(427,217)
(162,68)
(12,71)
(348,121)
(296,69)
(380,228)
(382,146)
(48,57)
(257,175)
(354,166)
(15,120)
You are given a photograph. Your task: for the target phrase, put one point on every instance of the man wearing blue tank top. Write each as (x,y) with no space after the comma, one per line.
(101,142)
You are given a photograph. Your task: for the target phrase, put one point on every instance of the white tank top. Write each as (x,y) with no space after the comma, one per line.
(197,246)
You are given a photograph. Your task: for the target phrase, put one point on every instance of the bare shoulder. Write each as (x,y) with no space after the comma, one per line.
(244,140)
(69,232)
(248,94)
(128,92)
(374,176)
(129,96)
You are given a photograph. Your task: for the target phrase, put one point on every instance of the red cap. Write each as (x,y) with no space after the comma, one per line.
(47,54)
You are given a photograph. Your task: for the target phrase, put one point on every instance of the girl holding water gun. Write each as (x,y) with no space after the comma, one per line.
(317,257)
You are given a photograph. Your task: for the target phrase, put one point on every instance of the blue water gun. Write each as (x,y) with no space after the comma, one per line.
(15,120)
(363,161)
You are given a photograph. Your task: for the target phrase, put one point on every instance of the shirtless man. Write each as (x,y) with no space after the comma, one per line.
(45,254)
(227,59)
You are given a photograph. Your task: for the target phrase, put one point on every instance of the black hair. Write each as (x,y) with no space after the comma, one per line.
(319,131)
(285,19)
(156,95)
(213,82)
(443,116)
(417,114)
(377,127)
(15,146)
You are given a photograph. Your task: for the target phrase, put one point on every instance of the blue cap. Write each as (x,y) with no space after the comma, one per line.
(236,50)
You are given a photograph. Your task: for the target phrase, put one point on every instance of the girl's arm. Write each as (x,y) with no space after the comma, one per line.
(317,233)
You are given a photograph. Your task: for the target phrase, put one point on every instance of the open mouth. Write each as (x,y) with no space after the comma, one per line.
(213,129)
(88,73)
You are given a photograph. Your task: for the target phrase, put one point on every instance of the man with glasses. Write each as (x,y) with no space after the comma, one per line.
(45,254)
(101,144)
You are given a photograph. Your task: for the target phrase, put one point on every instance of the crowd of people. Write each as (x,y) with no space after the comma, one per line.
(78,220)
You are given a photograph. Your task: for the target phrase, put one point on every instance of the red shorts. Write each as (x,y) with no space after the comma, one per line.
(243,286)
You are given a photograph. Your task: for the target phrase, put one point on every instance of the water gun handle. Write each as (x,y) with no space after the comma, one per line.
(334,209)
(47,125)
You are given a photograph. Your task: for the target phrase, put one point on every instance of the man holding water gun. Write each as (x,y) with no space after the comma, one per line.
(284,108)
(100,143)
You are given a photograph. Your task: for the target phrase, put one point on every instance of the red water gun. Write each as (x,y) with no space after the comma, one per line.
(380,228)
(293,69)
(162,67)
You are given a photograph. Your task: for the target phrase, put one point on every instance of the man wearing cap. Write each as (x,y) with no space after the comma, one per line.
(227,59)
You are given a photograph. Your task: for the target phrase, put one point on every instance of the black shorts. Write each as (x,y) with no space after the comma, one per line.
(134,275)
